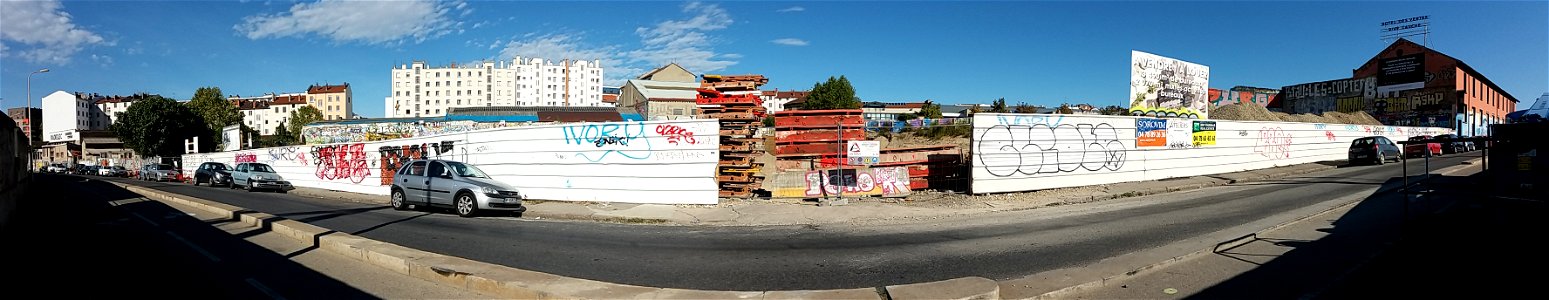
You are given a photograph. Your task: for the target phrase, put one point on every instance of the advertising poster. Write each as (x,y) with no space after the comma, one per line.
(1204,133)
(1167,87)
(1150,132)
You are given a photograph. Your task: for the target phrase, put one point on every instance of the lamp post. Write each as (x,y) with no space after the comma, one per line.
(31,123)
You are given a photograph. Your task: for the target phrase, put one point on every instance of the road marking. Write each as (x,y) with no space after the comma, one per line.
(265,289)
(143,218)
(196,247)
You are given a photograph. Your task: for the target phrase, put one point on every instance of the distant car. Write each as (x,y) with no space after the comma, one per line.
(458,185)
(57,168)
(107,171)
(214,173)
(119,171)
(1374,149)
(1452,144)
(255,176)
(159,172)
(1422,149)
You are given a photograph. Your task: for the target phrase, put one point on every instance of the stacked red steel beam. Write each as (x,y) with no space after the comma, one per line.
(740,116)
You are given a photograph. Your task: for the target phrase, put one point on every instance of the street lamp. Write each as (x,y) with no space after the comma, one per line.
(31,123)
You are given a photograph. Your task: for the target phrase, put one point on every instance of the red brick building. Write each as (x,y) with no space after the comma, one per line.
(1474,100)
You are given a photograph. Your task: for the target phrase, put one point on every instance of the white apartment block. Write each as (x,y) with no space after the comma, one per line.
(266,113)
(420,90)
(66,113)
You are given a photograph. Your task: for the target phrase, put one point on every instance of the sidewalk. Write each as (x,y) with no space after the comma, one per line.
(921,205)
(1454,244)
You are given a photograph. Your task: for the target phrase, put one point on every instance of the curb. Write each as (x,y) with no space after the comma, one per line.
(508,282)
(1228,244)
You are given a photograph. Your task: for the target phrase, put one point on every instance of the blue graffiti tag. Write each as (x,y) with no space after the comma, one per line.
(614,137)
(1050,121)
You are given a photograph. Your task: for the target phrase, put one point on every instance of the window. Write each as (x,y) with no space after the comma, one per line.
(677,111)
(417,169)
(437,170)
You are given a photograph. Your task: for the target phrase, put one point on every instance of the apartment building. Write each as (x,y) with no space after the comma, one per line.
(332,100)
(268,112)
(421,90)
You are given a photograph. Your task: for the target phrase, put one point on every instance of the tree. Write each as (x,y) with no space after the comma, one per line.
(832,94)
(1064,109)
(157,126)
(999,106)
(1023,108)
(216,111)
(1113,110)
(282,136)
(301,117)
(930,110)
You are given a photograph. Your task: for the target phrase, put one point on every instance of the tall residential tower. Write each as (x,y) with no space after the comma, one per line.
(420,90)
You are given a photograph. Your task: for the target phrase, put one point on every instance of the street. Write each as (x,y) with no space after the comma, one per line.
(998,246)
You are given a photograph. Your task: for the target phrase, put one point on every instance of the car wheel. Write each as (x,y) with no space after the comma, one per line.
(196,181)
(466,205)
(250,186)
(397,201)
(1381,159)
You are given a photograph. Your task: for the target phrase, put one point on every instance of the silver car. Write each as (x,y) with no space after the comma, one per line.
(255,176)
(159,172)
(457,185)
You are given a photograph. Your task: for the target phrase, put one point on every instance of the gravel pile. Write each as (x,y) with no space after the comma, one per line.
(1241,112)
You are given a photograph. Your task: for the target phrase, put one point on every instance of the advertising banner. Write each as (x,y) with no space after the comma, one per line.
(1166,87)
(1401,73)
(1150,132)
(1204,133)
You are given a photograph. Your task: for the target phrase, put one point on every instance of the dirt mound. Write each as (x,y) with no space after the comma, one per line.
(1241,112)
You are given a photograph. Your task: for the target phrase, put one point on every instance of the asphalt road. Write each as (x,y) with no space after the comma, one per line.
(997,246)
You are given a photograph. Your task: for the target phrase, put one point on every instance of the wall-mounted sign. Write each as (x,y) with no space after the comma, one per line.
(1204,133)
(1150,132)
(1401,73)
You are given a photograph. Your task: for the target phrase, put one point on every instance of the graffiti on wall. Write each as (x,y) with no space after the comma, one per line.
(676,134)
(288,154)
(884,181)
(1324,96)
(1243,95)
(245,157)
(1273,143)
(367,132)
(341,162)
(393,157)
(1007,150)
(610,138)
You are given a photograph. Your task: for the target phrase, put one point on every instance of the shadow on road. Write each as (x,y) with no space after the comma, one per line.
(1454,243)
(123,246)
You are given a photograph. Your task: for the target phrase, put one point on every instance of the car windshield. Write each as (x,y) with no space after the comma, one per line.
(259,168)
(218,166)
(163,167)
(466,170)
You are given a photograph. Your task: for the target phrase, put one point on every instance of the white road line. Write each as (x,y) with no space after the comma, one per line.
(265,289)
(196,247)
(143,218)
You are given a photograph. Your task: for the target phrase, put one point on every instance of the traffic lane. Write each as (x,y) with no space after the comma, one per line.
(763,258)
(243,269)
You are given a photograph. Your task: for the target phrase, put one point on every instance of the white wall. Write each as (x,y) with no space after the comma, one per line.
(1020,152)
(61,112)
(551,162)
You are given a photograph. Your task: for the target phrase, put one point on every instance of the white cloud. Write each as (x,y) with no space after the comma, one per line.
(685,42)
(789,42)
(102,59)
(41,32)
(792,9)
(371,22)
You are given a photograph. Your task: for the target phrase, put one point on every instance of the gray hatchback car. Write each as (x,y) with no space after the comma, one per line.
(457,185)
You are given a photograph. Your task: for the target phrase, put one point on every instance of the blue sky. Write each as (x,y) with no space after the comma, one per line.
(952,52)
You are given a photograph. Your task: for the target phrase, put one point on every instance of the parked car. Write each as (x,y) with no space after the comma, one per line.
(159,172)
(254,176)
(119,171)
(1422,149)
(445,183)
(57,168)
(1374,149)
(1452,144)
(214,173)
(109,171)
(1469,145)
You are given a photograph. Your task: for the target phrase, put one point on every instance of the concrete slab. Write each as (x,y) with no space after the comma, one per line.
(966,288)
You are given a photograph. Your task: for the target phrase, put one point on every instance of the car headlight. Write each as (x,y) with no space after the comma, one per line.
(489,191)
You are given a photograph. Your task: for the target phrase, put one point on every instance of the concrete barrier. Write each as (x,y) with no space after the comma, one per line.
(966,288)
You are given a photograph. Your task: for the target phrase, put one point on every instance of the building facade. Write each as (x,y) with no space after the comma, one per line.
(65,114)
(332,100)
(776,100)
(421,90)
(659,100)
(1409,84)
(268,112)
(25,120)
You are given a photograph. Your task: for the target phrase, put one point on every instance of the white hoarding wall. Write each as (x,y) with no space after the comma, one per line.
(671,162)
(1021,152)
(1166,87)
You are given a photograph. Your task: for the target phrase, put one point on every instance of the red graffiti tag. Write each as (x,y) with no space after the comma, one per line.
(1329,134)
(675,134)
(246,157)
(1273,143)
(341,162)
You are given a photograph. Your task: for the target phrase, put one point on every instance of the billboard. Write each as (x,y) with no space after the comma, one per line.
(1324,96)
(1405,72)
(231,138)
(1166,87)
